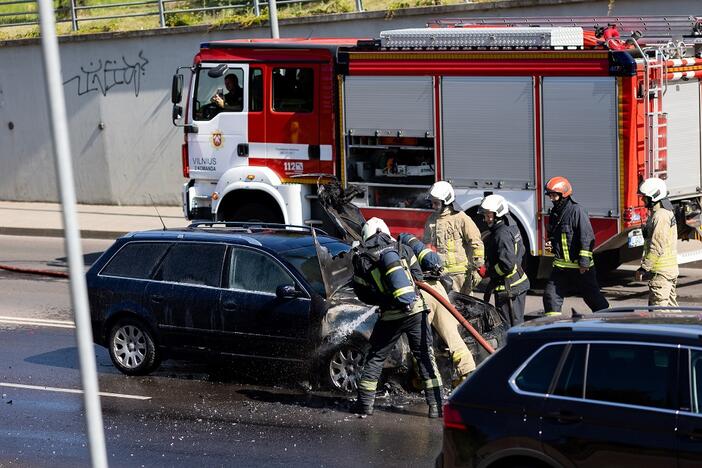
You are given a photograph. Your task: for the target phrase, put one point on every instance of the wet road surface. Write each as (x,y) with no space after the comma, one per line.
(195,415)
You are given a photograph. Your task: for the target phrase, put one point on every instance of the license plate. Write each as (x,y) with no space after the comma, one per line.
(635,238)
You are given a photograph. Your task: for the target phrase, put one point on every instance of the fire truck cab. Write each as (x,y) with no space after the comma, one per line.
(494,105)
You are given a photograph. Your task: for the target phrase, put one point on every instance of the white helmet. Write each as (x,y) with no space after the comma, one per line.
(495,203)
(653,188)
(373,226)
(443,191)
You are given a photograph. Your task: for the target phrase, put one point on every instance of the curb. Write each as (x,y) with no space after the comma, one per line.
(49,232)
(34,271)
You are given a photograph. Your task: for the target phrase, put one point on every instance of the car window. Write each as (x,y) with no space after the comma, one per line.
(536,377)
(254,271)
(572,375)
(306,261)
(136,260)
(633,374)
(696,380)
(191,263)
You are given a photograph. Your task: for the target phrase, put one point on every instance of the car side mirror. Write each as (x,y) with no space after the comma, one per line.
(287,291)
(177,88)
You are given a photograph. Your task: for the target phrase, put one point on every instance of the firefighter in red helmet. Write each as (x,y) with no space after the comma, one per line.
(572,240)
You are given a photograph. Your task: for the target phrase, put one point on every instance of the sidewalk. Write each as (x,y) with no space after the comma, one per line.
(95,221)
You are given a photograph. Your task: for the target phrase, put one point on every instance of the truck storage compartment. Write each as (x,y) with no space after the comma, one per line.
(580,139)
(681,102)
(488,131)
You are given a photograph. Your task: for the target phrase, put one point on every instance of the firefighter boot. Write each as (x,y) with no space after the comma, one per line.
(434,400)
(364,403)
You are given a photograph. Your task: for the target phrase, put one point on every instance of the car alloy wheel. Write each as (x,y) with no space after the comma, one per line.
(129,346)
(345,368)
(132,347)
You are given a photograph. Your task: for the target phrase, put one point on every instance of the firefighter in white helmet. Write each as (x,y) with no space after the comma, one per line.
(456,239)
(504,251)
(660,259)
(384,273)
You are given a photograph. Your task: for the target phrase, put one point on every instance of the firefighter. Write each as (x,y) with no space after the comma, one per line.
(504,250)
(382,277)
(572,240)
(660,258)
(456,239)
(441,319)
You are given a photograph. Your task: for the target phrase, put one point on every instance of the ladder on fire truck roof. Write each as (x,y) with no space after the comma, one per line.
(648,30)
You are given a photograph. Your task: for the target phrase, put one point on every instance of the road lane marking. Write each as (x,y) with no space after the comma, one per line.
(37,322)
(71,390)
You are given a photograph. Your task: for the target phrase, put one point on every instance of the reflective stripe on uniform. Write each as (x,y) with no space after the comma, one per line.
(368,385)
(423,254)
(460,268)
(499,270)
(401,291)
(564,246)
(432,383)
(557,262)
(586,253)
(457,356)
(375,273)
(552,314)
(387,273)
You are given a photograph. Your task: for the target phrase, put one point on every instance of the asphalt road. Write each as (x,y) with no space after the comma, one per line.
(186,414)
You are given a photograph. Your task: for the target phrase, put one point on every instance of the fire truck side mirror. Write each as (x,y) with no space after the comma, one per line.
(177,112)
(177,88)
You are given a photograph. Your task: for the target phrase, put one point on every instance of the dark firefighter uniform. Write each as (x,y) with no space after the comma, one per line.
(504,250)
(572,241)
(441,319)
(386,281)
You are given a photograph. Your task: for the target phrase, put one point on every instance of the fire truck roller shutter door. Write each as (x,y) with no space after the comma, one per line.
(488,131)
(682,104)
(580,139)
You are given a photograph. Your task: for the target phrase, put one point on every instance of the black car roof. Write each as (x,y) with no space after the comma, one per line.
(277,240)
(681,322)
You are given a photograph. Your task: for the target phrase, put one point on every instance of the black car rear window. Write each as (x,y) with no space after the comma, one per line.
(634,374)
(192,263)
(536,377)
(136,260)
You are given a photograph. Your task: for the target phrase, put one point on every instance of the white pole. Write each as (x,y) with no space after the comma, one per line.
(273,18)
(79,296)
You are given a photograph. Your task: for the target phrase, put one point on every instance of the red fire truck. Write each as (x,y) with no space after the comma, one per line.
(494,105)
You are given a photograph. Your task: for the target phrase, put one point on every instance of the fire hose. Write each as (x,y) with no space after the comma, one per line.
(466,324)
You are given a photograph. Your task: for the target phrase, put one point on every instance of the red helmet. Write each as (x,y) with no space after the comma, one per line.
(559,185)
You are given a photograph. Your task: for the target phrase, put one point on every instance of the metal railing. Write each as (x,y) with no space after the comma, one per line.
(152,8)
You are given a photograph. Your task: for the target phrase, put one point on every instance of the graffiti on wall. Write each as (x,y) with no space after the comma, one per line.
(103,75)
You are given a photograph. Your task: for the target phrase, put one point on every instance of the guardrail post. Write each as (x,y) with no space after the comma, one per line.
(257,8)
(161,16)
(74,16)
(359,5)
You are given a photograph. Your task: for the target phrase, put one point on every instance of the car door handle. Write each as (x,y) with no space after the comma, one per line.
(564,417)
(230,306)
(156,298)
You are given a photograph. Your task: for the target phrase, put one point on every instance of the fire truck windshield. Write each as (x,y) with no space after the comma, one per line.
(215,95)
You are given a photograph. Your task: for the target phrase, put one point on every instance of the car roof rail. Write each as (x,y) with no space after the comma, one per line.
(250,226)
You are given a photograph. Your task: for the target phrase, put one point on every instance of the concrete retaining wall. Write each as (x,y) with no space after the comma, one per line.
(117,88)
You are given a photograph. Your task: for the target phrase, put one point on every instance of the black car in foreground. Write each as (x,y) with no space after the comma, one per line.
(619,388)
(259,292)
